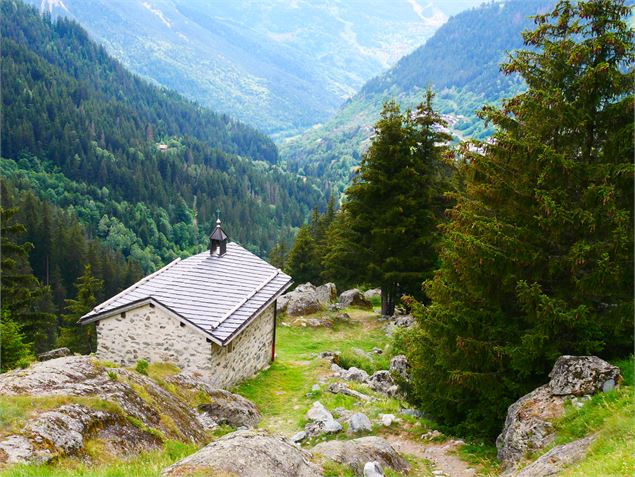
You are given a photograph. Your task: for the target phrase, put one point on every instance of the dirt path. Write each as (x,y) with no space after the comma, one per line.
(444,462)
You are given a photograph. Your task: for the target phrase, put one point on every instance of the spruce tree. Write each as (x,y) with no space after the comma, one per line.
(303,263)
(394,204)
(537,258)
(81,338)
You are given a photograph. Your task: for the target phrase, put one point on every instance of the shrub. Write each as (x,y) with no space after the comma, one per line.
(142,367)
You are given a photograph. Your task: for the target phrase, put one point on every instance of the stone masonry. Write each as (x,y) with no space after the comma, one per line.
(154,335)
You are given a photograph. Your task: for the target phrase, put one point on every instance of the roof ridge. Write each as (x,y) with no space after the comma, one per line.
(247,298)
(134,285)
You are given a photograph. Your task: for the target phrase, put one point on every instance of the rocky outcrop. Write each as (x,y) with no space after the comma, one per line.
(354,298)
(326,294)
(357,452)
(582,375)
(341,388)
(354,374)
(54,353)
(359,422)
(248,454)
(529,422)
(138,410)
(232,409)
(554,461)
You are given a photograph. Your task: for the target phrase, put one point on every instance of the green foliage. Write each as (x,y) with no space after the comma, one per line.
(142,367)
(84,134)
(81,338)
(394,205)
(537,257)
(303,263)
(14,350)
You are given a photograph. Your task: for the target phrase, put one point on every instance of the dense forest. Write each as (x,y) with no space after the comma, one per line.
(460,61)
(141,167)
(509,252)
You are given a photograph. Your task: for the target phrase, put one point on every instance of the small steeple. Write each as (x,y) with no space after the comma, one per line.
(218,238)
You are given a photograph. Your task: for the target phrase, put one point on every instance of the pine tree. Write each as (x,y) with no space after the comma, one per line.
(393,203)
(537,258)
(303,263)
(81,338)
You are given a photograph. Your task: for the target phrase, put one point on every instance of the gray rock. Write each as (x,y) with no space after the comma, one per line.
(282,302)
(248,454)
(357,452)
(337,369)
(341,388)
(359,422)
(54,353)
(343,317)
(229,408)
(373,469)
(382,382)
(399,365)
(376,350)
(298,436)
(403,321)
(387,419)
(318,412)
(326,294)
(333,356)
(554,461)
(315,388)
(413,412)
(370,294)
(322,421)
(355,374)
(301,301)
(354,298)
(580,375)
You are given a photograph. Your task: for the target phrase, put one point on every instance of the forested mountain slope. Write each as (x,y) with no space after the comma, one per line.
(461,63)
(143,169)
(278,65)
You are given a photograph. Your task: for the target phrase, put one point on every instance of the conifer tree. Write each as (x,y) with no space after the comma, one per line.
(537,258)
(394,204)
(81,338)
(303,263)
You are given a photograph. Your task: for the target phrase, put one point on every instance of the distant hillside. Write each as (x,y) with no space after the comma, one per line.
(461,62)
(278,65)
(141,167)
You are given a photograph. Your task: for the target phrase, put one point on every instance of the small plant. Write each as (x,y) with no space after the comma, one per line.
(112,376)
(142,367)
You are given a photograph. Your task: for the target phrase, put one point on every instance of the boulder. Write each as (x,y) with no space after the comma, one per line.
(354,298)
(298,436)
(54,353)
(387,419)
(382,382)
(303,301)
(248,454)
(529,422)
(281,303)
(581,375)
(554,461)
(326,294)
(399,365)
(373,469)
(359,422)
(322,421)
(354,374)
(61,431)
(357,452)
(229,408)
(332,356)
(341,388)
(370,294)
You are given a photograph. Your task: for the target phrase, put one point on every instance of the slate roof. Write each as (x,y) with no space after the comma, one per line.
(218,295)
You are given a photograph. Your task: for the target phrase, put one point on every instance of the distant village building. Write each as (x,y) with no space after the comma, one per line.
(212,314)
(163,147)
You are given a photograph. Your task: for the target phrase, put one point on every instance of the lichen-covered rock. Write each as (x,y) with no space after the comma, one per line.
(554,461)
(357,452)
(359,422)
(399,365)
(64,429)
(382,382)
(529,422)
(248,454)
(62,432)
(354,298)
(326,294)
(580,375)
(54,353)
(322,421)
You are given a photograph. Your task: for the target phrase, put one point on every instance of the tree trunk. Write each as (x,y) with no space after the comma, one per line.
(387,301)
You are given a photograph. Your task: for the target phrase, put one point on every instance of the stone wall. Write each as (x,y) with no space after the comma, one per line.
(154,335)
